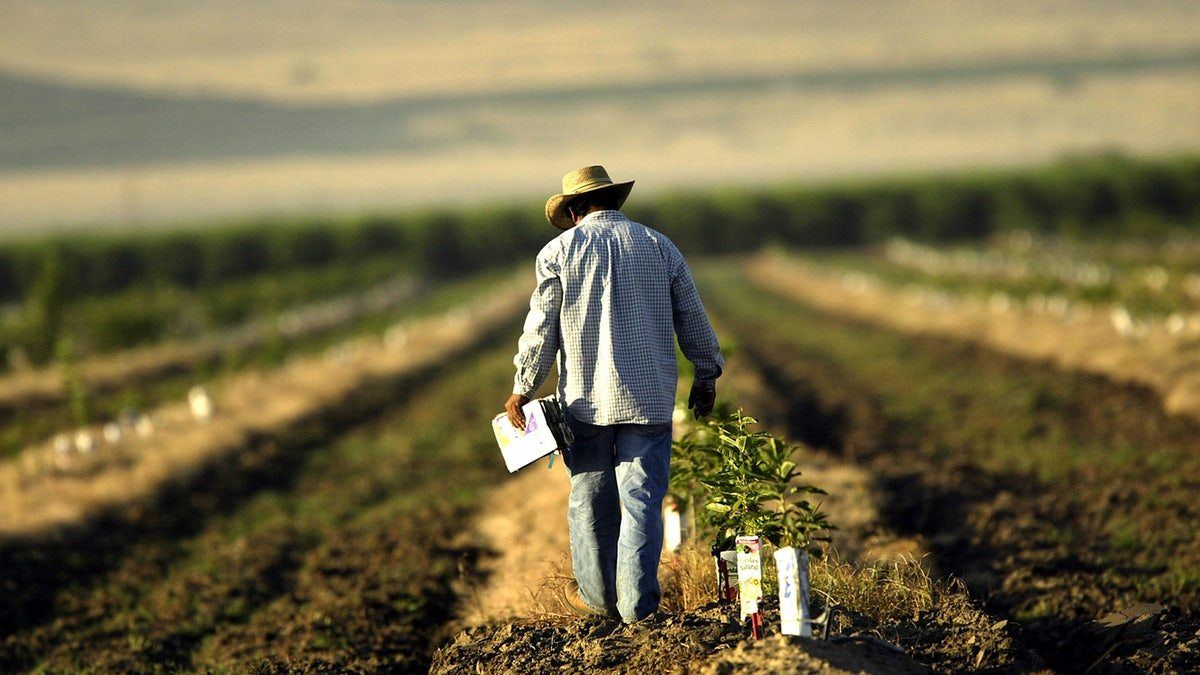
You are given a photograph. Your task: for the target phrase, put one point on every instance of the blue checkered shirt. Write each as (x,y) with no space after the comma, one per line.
(611,297)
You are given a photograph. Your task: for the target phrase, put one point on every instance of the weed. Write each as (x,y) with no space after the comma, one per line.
(886,591)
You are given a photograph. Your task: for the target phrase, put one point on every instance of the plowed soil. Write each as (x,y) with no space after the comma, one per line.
(703,641)
(516,623)
(332,548)
(1050,545)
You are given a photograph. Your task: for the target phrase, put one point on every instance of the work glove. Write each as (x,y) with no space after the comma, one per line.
(702,398)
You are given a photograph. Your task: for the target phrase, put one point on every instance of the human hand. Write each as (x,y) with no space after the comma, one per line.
(702,398)
(512,406)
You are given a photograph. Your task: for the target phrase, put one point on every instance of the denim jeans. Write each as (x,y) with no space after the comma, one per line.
(618,481)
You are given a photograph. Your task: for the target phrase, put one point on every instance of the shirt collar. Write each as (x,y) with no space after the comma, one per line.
(608,215)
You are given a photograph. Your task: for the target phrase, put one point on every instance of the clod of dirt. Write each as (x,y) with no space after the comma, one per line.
(704,640)
(779,654)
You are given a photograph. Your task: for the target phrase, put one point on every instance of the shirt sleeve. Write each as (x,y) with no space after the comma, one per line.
(697,339)
(540,339)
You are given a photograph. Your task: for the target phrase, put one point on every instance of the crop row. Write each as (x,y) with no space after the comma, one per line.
(356,376)
(1053,495)
(33,406)
(101,264)
(954,404)
(326,554)
(133,317)
(1055,273)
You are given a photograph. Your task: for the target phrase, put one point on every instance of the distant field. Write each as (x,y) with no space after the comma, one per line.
(365,50)
(195,110)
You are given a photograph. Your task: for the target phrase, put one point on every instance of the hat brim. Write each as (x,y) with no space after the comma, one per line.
(556,206)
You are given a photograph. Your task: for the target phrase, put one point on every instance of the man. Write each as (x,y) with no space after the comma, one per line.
(611,296)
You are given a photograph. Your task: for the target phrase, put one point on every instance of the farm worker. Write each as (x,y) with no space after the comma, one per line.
(611,297)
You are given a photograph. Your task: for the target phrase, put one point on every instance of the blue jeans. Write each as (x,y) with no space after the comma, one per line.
(618,481)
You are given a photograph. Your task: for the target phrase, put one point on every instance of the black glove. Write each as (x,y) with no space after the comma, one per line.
(702,398)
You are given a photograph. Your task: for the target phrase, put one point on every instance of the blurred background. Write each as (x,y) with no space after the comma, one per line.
(147,114)
(235,236)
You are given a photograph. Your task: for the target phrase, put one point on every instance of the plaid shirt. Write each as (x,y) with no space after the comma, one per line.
(611,296)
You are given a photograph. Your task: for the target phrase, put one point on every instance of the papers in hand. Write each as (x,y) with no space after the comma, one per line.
(545,431)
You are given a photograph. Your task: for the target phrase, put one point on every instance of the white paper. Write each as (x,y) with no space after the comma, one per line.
(521,448)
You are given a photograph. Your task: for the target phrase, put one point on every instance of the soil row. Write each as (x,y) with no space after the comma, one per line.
(38,496)
(1057,497)
(1100,341)
(515,619)
(332,546)
(23,392)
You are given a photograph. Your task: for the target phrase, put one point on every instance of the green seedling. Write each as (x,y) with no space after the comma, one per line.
(747,484)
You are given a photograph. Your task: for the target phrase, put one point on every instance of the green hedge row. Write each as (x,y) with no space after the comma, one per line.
(440,244)
(1108,195)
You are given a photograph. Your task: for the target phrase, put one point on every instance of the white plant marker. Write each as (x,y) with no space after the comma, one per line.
(672,526)
(144,426)
(62,445)
(749,567)
(1176,323)
(112,433)
(794,616)
(200,403)
(395,337)
(85,442)
(1122,321)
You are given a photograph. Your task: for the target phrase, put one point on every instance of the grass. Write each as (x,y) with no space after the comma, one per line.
(887,592)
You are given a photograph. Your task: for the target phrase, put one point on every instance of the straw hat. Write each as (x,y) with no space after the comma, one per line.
(588,180)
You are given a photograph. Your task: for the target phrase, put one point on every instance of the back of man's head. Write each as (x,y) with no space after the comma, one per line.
(603,200)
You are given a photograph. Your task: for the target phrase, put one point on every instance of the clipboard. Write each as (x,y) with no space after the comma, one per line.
(545,433)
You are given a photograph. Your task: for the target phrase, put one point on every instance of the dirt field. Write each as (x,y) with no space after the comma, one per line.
(305,554)
(515,619)
(41,494)
(1058,498)
(1041,500)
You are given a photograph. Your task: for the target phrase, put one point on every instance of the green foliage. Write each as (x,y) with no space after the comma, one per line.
(745,482)
(44,309)
(1107,195)
(66,275)
(77,394)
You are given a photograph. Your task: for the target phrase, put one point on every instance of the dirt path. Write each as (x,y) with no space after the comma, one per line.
(523,527)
